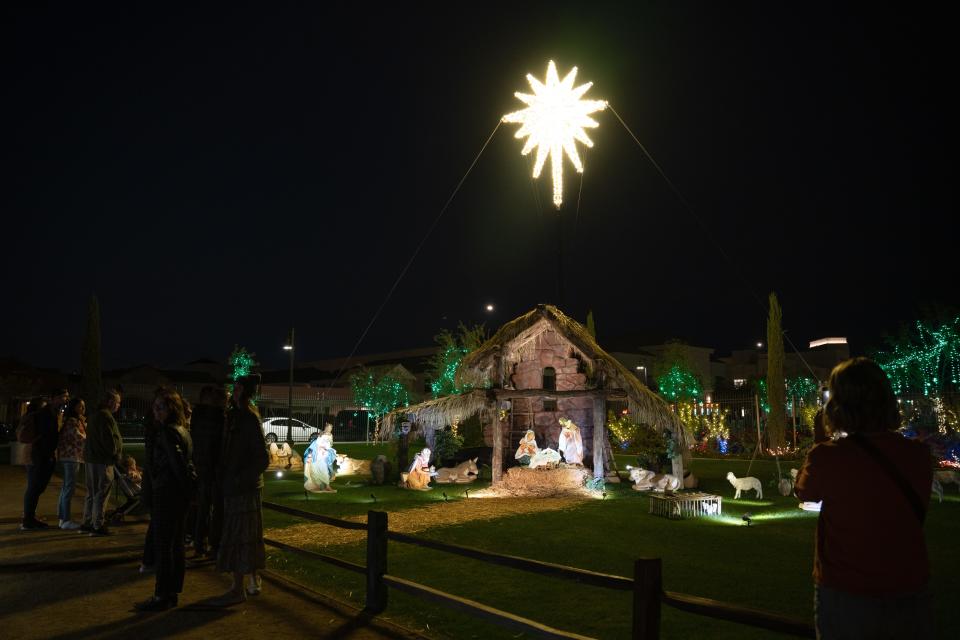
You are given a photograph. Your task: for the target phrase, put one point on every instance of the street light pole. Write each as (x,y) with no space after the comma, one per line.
(289,347)
(644,369)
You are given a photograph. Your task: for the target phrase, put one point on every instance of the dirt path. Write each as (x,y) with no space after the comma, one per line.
(60,584)
(428,517)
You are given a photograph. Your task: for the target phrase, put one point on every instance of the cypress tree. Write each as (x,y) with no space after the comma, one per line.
(91,383)
(776,385)
(591,327)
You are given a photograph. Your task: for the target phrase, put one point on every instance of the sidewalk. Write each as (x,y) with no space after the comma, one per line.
(61,584)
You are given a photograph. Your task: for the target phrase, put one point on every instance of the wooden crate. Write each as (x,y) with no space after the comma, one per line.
(685,505)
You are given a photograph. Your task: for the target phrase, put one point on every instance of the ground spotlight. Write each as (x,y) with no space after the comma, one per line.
(747,517)
(468,493)
(279,474)
(445,498)
(604,494)
(374,497)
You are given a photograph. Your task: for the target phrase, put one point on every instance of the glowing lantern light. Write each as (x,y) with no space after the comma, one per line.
(554,119)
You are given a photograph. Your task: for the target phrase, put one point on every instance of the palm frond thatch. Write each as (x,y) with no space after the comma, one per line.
(437,413)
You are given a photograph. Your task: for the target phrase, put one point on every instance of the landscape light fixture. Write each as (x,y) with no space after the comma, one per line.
(445,498)
(604,494)
(468,493)
(374,497)
(747,517)
(279,474)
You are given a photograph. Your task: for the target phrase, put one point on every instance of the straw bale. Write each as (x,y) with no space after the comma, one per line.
(542,483)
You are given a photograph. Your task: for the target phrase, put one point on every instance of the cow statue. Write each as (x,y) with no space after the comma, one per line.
(463,473)
(347,466)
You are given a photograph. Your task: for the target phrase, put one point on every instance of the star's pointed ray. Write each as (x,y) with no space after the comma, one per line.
(554,121)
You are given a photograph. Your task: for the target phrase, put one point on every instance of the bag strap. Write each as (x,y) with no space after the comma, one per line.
(915,503)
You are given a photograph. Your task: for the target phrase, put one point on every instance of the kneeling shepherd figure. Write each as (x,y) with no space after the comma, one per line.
(420,472)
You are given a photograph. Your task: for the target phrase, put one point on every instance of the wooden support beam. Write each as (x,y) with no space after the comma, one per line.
(599,434)
(507,394)
(497,430)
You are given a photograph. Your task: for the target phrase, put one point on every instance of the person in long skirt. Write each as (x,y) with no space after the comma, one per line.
(242,463)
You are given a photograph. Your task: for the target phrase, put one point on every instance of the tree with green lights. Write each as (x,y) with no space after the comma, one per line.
(445,364)
(802,388)
(674,375)
(91,382)
(378,394)
(776,389)
(924,358)
(241,363)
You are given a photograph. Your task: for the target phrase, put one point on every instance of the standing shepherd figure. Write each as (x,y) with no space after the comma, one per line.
(571,444)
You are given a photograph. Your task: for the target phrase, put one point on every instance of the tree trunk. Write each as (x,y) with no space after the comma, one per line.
(776,386)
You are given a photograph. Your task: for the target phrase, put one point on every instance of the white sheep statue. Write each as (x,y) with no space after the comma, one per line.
(646,480)
(745,484)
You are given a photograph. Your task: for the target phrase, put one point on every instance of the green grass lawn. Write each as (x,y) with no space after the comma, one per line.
(766,565)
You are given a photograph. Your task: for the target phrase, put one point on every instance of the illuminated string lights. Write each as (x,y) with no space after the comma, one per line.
(929,363)
(379,396)
(679,384)
(241,363)
(554,121)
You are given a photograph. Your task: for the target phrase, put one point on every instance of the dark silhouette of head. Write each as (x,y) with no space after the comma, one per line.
(861,398)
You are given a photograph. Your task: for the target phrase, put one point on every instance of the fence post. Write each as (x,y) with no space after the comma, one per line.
(376,561)
(647,590)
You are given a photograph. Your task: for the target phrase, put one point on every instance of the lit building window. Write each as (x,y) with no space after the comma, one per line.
(739,382)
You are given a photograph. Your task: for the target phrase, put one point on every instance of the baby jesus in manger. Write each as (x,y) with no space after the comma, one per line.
(530,455)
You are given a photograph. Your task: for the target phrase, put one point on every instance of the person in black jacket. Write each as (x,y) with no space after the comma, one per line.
(206,428)
(243,460)
(43,457)
(172,481)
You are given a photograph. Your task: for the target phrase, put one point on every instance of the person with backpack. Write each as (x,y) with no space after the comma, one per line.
(870,570)
(42,432)
(172,483)
(102,451)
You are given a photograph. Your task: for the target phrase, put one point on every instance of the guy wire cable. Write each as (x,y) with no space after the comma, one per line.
(413,257)
(706,230)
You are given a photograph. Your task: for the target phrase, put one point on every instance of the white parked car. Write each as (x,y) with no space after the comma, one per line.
(275,430)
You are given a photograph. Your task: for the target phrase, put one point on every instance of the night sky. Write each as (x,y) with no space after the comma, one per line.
(215,177)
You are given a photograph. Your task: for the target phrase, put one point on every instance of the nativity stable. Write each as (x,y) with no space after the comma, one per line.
(536,370)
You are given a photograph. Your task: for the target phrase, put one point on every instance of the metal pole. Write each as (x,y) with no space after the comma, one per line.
(559,259)
(290,394)
(756,399)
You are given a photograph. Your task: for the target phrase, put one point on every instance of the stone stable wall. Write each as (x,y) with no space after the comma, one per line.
(547,349)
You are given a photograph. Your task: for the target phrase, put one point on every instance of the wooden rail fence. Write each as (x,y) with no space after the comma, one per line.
(646,584)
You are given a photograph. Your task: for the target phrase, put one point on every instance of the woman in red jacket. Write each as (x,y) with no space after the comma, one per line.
(870,568)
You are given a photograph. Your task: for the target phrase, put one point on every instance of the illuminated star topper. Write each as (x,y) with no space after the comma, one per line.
(554,118)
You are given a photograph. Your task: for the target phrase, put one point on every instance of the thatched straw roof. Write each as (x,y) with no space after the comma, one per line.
(438,413)
(480,368)
(645,405)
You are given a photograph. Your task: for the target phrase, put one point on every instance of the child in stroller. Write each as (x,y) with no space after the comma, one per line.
(129,483)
